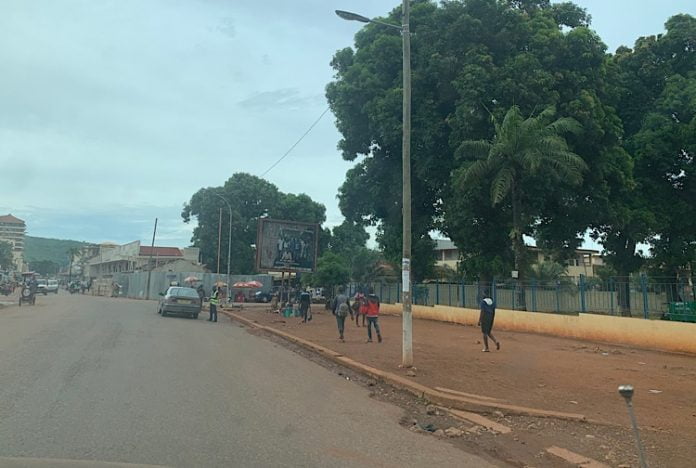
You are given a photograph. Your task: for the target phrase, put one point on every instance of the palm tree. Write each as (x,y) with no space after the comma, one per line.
(547,271)
(522,147)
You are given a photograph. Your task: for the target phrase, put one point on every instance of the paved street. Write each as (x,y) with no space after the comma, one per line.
(92,378)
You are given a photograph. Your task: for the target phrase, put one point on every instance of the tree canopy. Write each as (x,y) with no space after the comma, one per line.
(471,60)
(251,198)
(477,59)
(6,259)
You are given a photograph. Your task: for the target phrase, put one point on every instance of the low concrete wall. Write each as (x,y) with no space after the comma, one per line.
(649,334)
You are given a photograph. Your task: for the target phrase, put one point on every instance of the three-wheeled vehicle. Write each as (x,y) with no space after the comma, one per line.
(29,288)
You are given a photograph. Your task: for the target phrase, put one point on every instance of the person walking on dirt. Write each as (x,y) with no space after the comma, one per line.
(341,309)
(486,321)
(372,312)
(305,300)
(359,308)
(214,304)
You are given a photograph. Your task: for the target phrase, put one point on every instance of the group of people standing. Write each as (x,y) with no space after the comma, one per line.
(363,306)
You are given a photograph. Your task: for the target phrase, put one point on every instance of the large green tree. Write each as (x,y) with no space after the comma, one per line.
(348,241)
(332,271)
(521,151)
(44,267)
(471,59)
(6,259)
(653,92)
(251,198)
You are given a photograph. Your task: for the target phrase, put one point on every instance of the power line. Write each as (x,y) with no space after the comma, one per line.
(297,142)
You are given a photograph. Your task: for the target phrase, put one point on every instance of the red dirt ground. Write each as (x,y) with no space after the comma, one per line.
(532,370)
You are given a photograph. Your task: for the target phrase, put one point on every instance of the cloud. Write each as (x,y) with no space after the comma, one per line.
(115,112)
(227,27)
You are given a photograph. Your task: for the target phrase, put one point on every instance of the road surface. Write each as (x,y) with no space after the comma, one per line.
(90,378)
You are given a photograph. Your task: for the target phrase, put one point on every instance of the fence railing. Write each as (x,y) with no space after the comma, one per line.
(639,296)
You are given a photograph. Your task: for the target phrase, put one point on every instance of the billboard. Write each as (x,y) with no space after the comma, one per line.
(286,246)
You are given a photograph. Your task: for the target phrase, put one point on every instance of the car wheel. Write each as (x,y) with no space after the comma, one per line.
(265,300)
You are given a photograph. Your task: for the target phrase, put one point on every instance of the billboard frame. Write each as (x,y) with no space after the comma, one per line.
(259,230)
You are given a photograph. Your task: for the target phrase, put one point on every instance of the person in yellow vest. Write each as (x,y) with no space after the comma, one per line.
(214,304)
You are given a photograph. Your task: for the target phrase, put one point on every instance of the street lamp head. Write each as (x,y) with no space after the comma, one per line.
(347,15)
(626,391)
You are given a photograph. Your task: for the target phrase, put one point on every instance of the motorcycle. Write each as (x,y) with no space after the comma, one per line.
(27,296)
(74,288)
(6,289)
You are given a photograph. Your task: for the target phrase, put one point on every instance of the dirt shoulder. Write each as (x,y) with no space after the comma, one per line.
(542,372)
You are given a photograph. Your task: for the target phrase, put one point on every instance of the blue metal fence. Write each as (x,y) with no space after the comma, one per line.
(642,296)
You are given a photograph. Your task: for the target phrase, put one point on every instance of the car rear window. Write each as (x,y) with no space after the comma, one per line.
(183,292)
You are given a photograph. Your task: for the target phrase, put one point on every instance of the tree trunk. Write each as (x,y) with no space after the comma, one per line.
(623,293)
(518,248)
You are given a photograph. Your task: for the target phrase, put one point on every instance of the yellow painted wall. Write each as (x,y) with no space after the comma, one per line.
(650,334)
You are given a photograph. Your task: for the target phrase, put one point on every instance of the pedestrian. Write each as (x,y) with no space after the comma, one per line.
(486,321)
(214,304)
(201,296)
(372,313)
(341,309)
(305,304)
(359,308)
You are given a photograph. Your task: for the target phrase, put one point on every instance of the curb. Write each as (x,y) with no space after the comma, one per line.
(421,391)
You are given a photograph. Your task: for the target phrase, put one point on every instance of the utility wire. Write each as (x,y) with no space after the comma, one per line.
(297,142)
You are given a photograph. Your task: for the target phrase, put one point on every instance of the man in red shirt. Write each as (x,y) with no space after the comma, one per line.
(373,316)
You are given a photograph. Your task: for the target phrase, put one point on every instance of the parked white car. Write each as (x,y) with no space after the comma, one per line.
(52,286)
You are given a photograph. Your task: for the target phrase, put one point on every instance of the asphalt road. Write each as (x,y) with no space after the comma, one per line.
(89,378)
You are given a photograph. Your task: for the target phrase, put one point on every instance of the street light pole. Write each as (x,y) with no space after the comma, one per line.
(406,318)
(229,243)
(407,322)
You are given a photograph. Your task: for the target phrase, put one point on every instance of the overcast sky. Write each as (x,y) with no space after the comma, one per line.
(114,112)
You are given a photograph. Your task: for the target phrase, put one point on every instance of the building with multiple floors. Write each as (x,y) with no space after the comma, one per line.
(585,262)
(13,231)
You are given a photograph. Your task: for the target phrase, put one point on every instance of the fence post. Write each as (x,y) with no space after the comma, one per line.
(611,294)
(558,298)
(398,292)
(449,294)
(583,305)
(644,289)
(437,292)
(463,296)
(534,305)
(389,295)
(381,295)
(494,291)
(514,293)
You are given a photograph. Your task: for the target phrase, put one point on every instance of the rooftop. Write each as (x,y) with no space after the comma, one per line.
(11,219)
(444,244)
(146,251)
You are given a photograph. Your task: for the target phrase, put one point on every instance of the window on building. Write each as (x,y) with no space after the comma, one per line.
(452,254)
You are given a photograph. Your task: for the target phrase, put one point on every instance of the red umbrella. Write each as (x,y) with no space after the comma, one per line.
(247,284)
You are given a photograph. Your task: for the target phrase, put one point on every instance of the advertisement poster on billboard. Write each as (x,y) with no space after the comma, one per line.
(286,246)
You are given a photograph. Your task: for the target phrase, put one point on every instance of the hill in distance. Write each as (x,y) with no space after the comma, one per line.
(37,249)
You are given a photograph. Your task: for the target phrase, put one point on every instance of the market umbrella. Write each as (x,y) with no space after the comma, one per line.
(247,284)
(191,279)
(220,283)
